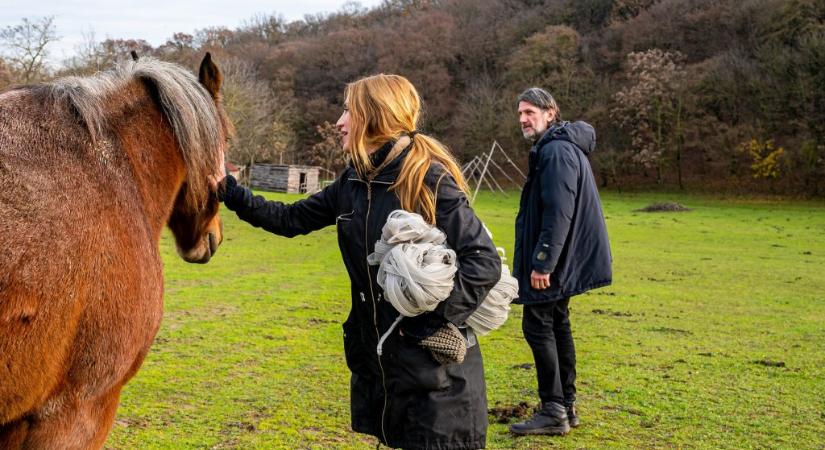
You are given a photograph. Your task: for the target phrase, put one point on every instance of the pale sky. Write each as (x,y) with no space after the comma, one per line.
(152,20)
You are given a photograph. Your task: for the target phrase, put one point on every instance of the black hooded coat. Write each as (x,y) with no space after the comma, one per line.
(560,227)
(403,397)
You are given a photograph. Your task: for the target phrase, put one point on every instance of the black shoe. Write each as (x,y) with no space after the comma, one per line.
(550,419)
(572,416)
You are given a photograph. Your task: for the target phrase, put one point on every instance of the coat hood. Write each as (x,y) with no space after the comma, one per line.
(387,161)
(581,134)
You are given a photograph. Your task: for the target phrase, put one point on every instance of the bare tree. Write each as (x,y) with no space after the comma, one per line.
(650,107)
(92,56)
(327,152)
(260,115)
(87,59)
(485,114)
(25,46)
(5,74)
(180,48)
(268,28)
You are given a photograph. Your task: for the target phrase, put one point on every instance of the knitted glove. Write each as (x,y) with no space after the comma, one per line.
(447,345)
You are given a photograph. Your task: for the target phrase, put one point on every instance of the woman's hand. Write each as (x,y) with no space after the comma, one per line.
(216,178)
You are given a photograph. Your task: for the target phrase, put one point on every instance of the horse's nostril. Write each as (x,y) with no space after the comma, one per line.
(213,243)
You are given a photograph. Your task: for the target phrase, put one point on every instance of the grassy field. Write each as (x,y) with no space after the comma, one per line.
(712,336)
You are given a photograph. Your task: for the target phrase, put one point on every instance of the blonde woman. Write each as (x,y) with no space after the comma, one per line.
(405,396)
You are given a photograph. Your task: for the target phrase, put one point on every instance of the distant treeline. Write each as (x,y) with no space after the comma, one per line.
(702,94)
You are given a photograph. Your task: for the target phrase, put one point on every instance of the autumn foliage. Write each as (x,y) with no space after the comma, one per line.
(695,94)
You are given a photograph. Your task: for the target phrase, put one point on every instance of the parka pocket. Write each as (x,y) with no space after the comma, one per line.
(355,350)
(344,217)
(417,369)
(343,224)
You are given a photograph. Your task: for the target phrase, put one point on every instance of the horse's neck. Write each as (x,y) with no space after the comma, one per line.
(149,144)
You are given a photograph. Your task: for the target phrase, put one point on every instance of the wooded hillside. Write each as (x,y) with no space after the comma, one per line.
(706,94)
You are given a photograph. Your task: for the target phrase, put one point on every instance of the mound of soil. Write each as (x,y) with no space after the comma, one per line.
(506,413)
(664,207)
(769,363)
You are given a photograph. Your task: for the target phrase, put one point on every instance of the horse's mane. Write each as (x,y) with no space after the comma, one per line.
(186,104)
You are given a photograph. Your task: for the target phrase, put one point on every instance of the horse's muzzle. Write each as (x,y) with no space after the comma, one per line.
(202,253)
(213,243)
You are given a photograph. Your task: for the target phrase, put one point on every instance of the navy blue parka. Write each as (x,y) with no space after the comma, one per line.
(560,228)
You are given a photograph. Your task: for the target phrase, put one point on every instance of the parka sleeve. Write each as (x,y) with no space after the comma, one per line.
(479,266)
(519,240)
(559,174)
(302,217)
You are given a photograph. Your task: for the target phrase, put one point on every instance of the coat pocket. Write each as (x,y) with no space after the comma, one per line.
(344,217)
(355,351)
(416,368)
(343,224)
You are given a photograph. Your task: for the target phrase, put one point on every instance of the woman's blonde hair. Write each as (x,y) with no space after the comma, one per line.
(387,107)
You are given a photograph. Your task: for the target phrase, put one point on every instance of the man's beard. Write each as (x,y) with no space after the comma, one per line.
(532,135)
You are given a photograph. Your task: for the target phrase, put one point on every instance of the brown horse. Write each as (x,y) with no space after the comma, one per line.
(91,169)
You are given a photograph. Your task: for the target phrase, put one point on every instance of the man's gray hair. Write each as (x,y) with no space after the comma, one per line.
(540,98)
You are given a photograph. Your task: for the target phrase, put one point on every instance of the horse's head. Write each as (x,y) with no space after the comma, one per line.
(194,221)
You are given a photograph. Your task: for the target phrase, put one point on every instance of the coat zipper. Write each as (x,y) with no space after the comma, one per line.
(374,306)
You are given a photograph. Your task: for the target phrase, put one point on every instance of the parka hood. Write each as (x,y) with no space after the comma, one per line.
(581,134)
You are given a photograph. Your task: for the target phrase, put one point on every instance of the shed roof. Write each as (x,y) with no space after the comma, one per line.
(291,166)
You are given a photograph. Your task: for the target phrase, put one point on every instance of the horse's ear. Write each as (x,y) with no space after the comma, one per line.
(210,76)
(134,55)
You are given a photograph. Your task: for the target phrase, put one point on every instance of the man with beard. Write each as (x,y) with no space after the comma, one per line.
(561,250)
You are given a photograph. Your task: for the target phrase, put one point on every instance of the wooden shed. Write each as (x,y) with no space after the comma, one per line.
(292,179)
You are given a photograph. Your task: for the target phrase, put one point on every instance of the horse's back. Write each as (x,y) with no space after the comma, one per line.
(37,210)
(33,211)
(66,259)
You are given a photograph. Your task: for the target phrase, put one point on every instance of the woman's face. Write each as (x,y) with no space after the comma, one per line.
(343,127)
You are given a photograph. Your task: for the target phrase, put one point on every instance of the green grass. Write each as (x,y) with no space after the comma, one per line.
(250,355)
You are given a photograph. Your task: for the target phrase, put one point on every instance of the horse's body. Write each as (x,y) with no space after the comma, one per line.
(85,192)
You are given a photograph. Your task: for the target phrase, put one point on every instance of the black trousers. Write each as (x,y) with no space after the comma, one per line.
(546,328)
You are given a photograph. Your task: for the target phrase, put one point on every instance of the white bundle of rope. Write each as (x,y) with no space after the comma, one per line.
(493,311)
(417,269)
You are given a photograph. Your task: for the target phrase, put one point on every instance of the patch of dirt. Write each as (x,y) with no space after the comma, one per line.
(769,363)
(231,443)
(612,313)
(670,330)
(231,428)
(619,408)
(506,413)
(664,207)
(319,321)
(127,422)
(649,423)
(525,366)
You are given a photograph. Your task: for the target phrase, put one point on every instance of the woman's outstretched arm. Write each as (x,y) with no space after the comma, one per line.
(304,216)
